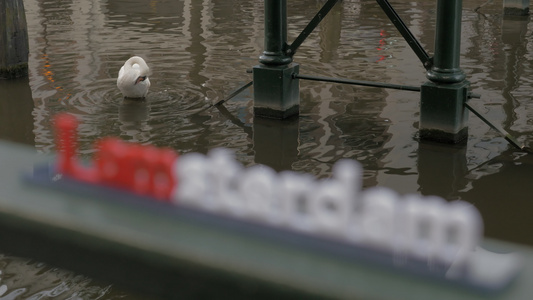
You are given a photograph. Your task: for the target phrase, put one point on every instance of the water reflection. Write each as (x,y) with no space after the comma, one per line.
(16,108)
(27,279)
(442,169)
(199,51)
(500,195)
(133,114)
(514,30)
(276,143)
(330,33)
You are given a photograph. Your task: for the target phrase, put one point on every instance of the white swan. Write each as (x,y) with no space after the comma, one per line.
(133,79)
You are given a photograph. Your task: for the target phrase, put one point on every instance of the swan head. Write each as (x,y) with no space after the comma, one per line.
(133,79)
(140,79)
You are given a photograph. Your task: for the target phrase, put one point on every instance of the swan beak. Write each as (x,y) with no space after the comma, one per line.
(140,78)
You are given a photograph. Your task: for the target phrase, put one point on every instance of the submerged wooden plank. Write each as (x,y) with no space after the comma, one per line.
(170,257)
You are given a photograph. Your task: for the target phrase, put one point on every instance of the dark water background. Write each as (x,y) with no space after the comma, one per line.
(199,52)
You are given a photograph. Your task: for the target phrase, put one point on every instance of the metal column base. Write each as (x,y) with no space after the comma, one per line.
(276,92)
(443,116)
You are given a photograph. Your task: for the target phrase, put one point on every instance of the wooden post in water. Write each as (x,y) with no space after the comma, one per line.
(515,7)
(14,47)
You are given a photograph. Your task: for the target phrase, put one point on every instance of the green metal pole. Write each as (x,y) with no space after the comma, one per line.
(275,33)
(447,43)
(276,91)
(443,115)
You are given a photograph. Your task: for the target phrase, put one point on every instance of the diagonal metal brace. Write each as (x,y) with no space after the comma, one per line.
(508,137)
(424,57)
(310,27)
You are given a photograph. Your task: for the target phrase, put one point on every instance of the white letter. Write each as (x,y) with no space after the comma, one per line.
(420,226)
(191,174)
(330,205)
(462,231)
(294,192)
(258,189)
(377,216)
(224,172)
(349,173)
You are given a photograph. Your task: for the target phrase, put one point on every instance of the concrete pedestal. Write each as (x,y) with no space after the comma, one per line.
(443,117)
(276,92)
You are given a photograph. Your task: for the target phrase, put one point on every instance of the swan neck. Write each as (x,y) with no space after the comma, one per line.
(137,60)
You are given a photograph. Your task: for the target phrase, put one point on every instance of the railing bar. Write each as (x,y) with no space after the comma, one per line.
(359,82)
(233,94)
(508,137)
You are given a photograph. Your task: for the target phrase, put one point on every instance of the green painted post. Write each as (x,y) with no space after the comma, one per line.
(443,116)
(276,92)
(275,33)
(14,47)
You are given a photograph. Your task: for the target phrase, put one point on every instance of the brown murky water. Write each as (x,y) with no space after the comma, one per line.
(199,52)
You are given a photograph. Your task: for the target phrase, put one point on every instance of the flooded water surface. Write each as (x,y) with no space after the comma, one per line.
(199,52)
